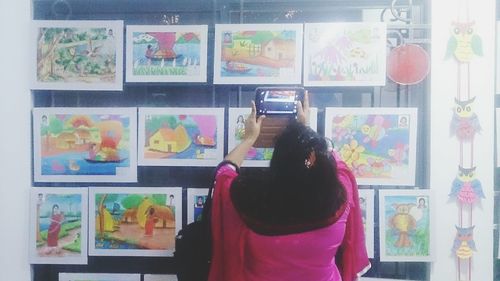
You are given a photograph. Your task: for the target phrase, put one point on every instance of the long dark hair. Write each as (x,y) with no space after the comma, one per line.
(292,191)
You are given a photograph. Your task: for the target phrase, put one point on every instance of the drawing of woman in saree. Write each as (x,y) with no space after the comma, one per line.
(56,220)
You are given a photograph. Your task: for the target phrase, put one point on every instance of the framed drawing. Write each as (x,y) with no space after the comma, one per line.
(366,202)
(378,144)
(345,54)
(196,200)
(134,221)
(85,144)
(58,225)
(78,55)
(98,277)
(181,136)
(166,53)
(167,277)
(406,225)
(258,54)
(257,156)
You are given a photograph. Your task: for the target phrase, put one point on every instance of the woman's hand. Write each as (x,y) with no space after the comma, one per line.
(252,131)
(303,110)
(252,125)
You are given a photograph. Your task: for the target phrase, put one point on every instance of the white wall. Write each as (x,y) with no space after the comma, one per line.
(15,163)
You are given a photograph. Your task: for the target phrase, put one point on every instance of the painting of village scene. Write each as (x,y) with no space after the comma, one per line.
(134,221)
(58,231)
(258,54)
(345,54)
(256,156)
(167,53)
(366,203)
(98,277)
(405,225)
(181,136)
(85,144)
(78,55)
(378,144)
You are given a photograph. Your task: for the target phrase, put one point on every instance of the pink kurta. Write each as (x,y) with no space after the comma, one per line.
(241,254)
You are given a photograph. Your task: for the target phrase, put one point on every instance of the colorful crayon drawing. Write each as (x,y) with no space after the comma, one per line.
(196,202)
(366,202)
(167,277)
(257,156)
(181,136)
(85,144)
(78,55)
(167,53)
(345,54)
(98,277)
(258,54)
(58,232)
(378,144)
(405,225)
(134,221)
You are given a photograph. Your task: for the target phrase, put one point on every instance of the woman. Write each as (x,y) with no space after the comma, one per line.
(300,220)
(56,220)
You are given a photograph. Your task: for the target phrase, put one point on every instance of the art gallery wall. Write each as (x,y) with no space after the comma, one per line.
(15,167)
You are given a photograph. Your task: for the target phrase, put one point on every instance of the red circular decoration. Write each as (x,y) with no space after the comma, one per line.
(408,64)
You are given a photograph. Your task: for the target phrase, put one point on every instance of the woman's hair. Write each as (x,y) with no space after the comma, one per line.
(54,207)
(293,191)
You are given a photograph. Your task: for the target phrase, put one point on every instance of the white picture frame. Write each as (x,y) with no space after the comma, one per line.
(99,147)
(186,151)
(256,156)
(368,216)
(401,213)
(378,144)
(290,41)
(160,277)
(72,201)
(193,195)
(99,55)
(98,277)
(345,54)
(194,65)
(133,222)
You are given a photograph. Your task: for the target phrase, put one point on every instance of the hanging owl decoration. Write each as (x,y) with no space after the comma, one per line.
(465,123)
(466,188)
(464,42)
(464,245)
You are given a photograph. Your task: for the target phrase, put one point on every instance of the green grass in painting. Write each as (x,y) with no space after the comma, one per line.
(64,229)
(419,239)
(158,70)
(75,246)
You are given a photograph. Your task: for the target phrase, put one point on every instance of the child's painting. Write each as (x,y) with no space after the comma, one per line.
(405,225)
(85,144)
(58,228)
(196,202)
(181,136)
(257,156)
(138,221)
(166,277)
(378,144)
(258,54)
(366,202)
(345,54)
(166,53)
(78,55)
(98,277)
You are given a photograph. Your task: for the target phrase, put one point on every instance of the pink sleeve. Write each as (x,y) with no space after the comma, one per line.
(227,228)
(352,257)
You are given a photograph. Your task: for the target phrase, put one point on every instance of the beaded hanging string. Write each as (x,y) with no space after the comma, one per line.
(464,46)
